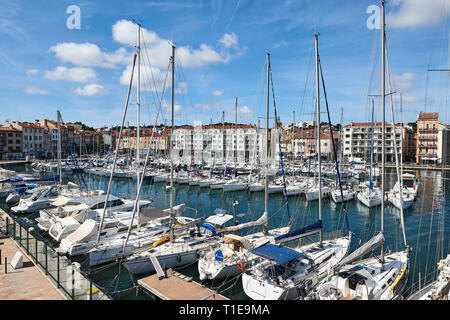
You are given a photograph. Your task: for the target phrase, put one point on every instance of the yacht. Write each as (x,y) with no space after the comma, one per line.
(41,199)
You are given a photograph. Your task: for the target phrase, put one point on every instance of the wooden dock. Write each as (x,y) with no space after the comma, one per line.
(7,162)
(26,283)
(177,287)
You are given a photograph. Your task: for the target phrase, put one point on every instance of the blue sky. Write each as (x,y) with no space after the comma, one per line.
(221,53)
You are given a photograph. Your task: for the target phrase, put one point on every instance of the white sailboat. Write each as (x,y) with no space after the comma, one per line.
(233,255)
(370,195)
(379,278)
(282,272)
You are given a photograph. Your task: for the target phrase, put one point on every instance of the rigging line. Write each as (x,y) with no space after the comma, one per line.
(149,63)
(332,142)
(232,17)
(281,152)
(117,149)
(307,80)
(399,177)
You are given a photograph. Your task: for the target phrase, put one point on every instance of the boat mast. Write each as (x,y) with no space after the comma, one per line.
(58,116)
(223,142)
(116,152)
(266,181)
(316,41)
(292,141)
(371,150)
(138,103)
(172,218)
(235,137)
(383,102)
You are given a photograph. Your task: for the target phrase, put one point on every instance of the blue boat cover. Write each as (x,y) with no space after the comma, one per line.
(281,255)
(219,256)
(209,227)
(315,226)
(220,211)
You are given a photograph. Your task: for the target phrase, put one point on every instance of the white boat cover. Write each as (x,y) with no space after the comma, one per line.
(219,219)
(149,214)
(233,238)
(262,220)
(63,201)
(85,232)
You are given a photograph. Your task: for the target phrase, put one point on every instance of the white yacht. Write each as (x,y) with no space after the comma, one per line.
(347,194)
(234,185)
(395,198)
(282,271)
(370,196)
(41,199)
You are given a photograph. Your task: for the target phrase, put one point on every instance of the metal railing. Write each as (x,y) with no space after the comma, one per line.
(65,275)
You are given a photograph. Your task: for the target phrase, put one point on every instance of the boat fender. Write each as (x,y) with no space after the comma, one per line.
(179,258)
(240,266)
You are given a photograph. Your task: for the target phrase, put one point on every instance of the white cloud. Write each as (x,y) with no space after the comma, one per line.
(230,47)
(404,81)
(71,74)
(125,32)
(229,40)
(90,90)
(416,13)
(206,107)
(177,109)
(403,84)
(32,72)
(90,55)
(281,43)
(182,88)
(217,93)
(245,112)
(35,90)
(153,77)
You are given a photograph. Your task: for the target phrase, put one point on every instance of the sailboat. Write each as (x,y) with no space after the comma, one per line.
(438,289)
(379,278)
(235,184)
(234,255)
(176,248)
(347,193)
(397,196)
(283,272)
(370,195)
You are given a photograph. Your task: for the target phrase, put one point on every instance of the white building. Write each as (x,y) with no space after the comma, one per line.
(217,144)
(443,148)
(357,141)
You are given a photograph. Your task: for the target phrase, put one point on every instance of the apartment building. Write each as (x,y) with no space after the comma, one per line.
(443,152)
(219,144)
(32,137)
(158,142)
(428,127)
(10,143)
(357,141)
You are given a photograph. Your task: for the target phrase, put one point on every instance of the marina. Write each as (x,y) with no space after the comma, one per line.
(419,219)
(209,196)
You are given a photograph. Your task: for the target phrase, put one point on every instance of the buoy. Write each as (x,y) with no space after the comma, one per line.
(240,266)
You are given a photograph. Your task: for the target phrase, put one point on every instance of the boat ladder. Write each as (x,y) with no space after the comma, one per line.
(157,266)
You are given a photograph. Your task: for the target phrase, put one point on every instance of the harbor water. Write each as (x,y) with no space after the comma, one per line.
(427,223)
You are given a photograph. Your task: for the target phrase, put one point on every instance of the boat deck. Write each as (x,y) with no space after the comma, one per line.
(26,283)
(177,287)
